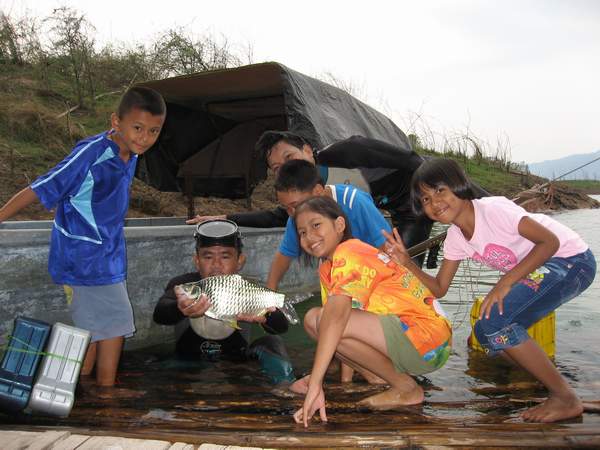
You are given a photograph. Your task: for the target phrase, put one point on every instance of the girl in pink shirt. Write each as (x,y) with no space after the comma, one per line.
(544,265)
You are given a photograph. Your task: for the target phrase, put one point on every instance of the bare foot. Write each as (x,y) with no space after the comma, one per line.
(393,398)
(300,386)
(555,408)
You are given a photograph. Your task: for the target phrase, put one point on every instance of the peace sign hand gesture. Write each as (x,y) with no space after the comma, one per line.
(394,247)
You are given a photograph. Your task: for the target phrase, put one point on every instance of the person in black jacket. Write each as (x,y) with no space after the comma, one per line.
(382,169)
(219,252)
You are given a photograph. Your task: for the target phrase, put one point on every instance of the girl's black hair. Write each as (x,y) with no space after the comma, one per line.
(436,172)
(327,207)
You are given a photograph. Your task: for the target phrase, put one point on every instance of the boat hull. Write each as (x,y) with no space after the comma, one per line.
(157,248)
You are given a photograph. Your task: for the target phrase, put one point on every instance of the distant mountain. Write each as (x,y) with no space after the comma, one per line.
(557,167)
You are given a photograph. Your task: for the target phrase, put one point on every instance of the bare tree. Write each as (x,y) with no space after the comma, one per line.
(178,52)
(19,39)
(10,48)
(71,36)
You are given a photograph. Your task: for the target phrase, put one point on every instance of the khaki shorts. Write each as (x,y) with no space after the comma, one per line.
(402,352)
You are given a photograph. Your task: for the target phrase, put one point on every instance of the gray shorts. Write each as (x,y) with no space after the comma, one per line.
(105,311)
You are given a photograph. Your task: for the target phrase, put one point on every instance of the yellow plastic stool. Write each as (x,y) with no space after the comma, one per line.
(543,331)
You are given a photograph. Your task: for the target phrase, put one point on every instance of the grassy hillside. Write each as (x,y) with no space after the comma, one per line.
(34,137)
(587,186)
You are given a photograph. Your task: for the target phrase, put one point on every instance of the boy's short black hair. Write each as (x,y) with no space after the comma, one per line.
(270,138)
(297,175)
(146,99)
(436,172)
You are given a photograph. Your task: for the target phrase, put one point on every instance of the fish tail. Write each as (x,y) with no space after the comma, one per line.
(290,313)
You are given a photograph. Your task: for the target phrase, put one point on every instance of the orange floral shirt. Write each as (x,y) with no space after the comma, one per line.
(377,284)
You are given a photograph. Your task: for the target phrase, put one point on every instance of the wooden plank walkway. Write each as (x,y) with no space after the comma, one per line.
(64,440)
(442,437)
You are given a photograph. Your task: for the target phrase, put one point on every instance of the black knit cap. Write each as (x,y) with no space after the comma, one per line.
(218,232)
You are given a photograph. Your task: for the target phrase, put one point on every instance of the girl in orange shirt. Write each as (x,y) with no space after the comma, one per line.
(376,315)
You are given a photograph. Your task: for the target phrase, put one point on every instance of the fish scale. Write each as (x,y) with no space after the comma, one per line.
(231,295)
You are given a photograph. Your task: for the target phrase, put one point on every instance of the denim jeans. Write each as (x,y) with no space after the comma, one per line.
(531,299)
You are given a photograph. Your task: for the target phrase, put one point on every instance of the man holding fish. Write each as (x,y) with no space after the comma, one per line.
(204,326)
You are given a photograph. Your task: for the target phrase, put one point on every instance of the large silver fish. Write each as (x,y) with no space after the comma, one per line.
(231,295)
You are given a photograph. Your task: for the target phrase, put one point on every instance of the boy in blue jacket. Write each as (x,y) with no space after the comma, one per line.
(89,190)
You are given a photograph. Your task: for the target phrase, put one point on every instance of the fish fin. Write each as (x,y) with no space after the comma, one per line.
(233,324)
(253,279)
(290,313)
(300,297)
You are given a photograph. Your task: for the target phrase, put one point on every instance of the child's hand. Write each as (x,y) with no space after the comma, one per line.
(191,307)
(395,248)
(314,400)
(496,295)
(200,219)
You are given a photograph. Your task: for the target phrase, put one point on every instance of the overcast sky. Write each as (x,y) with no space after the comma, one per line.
(521,72)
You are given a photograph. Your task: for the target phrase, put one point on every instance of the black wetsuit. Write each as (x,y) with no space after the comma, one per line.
(236,346)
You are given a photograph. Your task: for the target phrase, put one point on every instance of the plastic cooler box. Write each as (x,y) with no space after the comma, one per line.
(54,389)
(543,331)
(20,362)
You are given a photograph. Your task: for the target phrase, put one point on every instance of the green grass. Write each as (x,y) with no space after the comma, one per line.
(488,175)
(588,186)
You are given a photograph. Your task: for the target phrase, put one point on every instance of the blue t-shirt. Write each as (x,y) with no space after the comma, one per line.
(90,191)
(365,220)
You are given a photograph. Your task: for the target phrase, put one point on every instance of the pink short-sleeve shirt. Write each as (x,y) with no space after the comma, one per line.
(496,241)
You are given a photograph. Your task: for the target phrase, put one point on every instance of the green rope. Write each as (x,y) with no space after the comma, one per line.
(33,351)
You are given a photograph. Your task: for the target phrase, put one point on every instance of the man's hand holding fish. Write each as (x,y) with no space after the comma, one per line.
(189,306)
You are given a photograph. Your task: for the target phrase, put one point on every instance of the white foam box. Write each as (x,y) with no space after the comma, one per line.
(54,390)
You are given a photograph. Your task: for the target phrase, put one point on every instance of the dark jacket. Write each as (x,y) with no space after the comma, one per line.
(382,169)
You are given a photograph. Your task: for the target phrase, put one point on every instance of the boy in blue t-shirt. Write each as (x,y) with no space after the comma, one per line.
(90,191)
(298,180)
